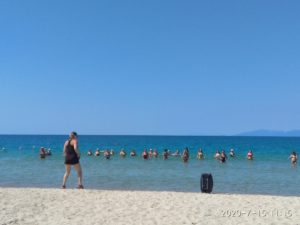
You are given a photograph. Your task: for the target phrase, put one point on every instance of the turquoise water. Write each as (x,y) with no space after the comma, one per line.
(269,173)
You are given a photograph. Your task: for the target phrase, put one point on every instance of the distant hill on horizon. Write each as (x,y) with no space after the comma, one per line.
(271,133)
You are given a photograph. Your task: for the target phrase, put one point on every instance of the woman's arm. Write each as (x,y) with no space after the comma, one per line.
(65,147)
(76,148)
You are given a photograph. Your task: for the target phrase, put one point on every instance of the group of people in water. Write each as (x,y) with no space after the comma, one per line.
(146,154)
(221,156)
(72,156)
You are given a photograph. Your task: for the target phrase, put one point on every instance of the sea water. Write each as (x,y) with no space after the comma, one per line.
(269,173)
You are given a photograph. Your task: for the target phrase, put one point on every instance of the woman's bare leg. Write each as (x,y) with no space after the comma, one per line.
(67,173)
(79,173)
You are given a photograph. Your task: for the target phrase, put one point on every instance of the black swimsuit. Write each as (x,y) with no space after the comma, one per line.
(71,157)
(223,159)
(145,155)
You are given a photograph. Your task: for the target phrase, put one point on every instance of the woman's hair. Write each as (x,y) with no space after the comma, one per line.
(73,134)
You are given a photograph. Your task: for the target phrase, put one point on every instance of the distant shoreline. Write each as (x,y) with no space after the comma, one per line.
(161,135)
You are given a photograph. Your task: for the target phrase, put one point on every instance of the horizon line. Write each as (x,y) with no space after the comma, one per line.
(166,135)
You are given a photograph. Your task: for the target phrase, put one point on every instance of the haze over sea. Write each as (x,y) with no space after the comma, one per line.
(269,173)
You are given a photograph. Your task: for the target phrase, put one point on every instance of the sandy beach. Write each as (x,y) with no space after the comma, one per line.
(72,206)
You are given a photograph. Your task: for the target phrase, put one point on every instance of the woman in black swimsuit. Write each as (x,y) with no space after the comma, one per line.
(223,157)
(72,155)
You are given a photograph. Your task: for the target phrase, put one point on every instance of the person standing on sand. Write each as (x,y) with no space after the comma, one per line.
(72,155)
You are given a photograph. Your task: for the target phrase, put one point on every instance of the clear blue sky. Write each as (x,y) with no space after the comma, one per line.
(149,67)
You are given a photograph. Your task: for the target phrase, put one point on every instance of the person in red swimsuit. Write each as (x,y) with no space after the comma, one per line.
(72,155)
(250,155)
(145,154)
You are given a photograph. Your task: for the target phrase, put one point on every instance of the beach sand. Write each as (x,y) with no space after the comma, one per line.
(72,206)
